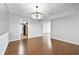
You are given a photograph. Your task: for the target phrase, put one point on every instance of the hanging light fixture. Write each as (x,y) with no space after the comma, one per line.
(37,15)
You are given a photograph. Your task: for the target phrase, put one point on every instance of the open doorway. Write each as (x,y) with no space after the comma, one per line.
(24,28)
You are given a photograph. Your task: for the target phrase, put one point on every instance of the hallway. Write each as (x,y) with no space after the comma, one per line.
(40,46)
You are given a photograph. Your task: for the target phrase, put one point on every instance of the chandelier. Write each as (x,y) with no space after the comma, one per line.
(37,15)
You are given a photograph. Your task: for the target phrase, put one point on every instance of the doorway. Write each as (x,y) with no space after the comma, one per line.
(24,28)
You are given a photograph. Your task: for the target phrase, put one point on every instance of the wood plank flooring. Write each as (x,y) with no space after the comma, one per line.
(40,46)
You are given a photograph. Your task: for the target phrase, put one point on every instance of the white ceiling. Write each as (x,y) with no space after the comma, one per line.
(51,10)
(3,7)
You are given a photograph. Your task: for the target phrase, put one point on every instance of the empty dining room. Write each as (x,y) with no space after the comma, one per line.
(39,28)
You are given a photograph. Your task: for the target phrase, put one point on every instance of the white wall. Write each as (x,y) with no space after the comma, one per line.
(46,27)
(4,28)
(66,28)
(14,27)
(34,28)
(4,23)
(21,26)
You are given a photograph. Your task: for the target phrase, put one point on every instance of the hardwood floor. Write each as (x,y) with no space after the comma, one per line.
(41,46)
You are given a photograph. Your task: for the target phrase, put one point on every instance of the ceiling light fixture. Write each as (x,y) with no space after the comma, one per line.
(37,15)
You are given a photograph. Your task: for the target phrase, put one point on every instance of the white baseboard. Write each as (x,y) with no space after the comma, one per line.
(35,36)
(65,41)
(14,40)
